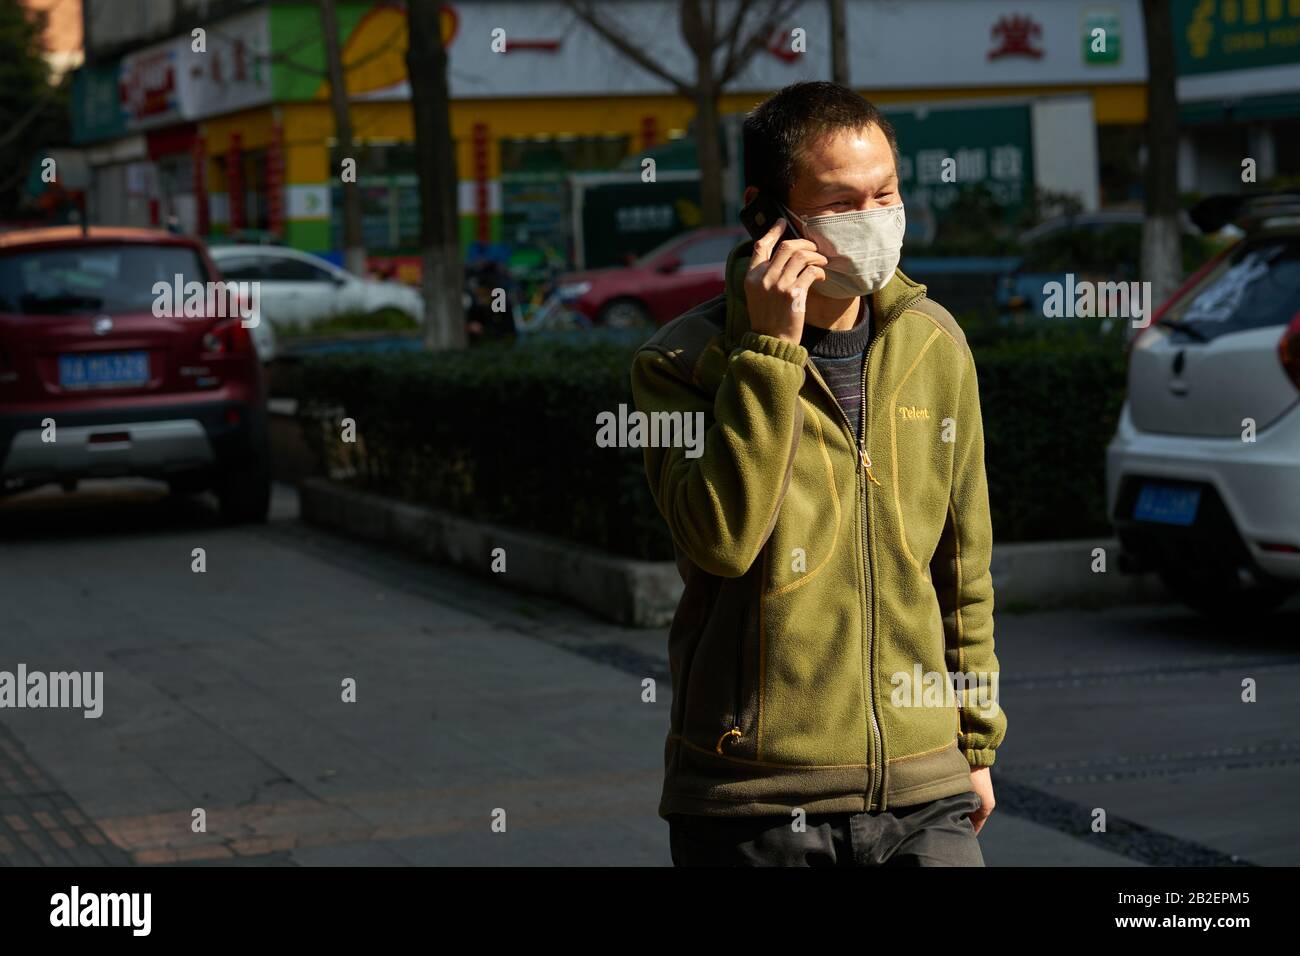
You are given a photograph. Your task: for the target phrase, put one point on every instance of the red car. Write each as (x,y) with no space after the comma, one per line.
(658,287)
(94,383)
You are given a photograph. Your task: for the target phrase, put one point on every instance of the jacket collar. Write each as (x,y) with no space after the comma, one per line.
(898,291)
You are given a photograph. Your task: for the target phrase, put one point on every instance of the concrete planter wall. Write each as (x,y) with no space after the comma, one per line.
(645,593)
(628,592)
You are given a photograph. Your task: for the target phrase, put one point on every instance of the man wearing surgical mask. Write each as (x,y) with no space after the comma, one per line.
(834,679)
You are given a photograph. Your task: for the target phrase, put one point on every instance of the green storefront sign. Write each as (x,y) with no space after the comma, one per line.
(1101,39)
(96,107)
(1215,35)
(621,220)
(944,151)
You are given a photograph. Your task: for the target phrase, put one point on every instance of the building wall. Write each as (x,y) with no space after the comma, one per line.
(543,89)
(63,40)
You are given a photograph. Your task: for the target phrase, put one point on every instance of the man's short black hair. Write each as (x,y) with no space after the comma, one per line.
(778,129)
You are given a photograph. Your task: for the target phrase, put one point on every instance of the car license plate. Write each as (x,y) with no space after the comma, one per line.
(1167,504)
(103,370)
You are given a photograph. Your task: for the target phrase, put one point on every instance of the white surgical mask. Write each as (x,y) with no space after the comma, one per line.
(863,248)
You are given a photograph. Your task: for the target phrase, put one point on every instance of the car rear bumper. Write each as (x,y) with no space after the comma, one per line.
(148,441)
(1250,499)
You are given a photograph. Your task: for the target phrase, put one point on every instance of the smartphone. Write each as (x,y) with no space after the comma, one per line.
(759,215)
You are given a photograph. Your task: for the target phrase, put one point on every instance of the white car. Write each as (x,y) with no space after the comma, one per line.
(297,288)
(263,337)
(1203,473)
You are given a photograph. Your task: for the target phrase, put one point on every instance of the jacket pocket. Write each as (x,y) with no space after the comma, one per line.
(719,705)
(817,511)
(919,483)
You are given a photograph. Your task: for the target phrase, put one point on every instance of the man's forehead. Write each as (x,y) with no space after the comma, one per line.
(845,155)
(834,144)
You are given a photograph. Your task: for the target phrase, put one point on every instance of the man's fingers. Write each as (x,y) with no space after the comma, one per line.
(799,275)
(797,263)
(763,244)
(791,250)
(799,289)
(978,817)
(811,273)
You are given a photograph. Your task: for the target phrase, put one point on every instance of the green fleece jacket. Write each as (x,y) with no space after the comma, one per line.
(833,648)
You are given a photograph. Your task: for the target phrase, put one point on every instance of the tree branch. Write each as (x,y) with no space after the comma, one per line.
(587,14)
(733,28)
(775,12)
(19,126)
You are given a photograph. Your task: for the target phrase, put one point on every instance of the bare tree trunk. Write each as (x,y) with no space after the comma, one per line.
(708,146)
(839,43)
(441,278)
(1161,233)
(699,33)
(354,249)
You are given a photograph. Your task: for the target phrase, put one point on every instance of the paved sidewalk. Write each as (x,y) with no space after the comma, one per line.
(40,825)
(223,692)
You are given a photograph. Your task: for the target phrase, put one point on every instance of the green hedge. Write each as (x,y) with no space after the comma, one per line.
(380,320)
(503,433)
(507,434)
(1049,405)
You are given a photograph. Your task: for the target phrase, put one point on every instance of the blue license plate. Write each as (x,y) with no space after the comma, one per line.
(1167,504)
(103,370)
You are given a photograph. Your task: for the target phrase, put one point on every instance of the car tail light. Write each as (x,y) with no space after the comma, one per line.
(109,438)
(227,338)
(1288,350)
(1279,547)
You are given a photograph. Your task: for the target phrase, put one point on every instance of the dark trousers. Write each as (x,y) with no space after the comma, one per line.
(938,833)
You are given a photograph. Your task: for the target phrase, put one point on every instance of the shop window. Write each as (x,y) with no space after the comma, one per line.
(253,189)
(1119,151)
(390,198)
(535,203)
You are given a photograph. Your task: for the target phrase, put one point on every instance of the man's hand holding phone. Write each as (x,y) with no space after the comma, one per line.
(776,286)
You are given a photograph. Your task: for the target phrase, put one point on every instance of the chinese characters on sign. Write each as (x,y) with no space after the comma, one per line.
(1235,34)
(147,85)
(946,152)
(644,218)
(1016,36)
(999,168)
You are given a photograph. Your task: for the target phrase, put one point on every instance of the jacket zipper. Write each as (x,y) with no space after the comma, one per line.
(864,463)
(735,731)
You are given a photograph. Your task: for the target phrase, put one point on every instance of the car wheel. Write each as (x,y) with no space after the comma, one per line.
(244,492)
(1220,593)
(625,314)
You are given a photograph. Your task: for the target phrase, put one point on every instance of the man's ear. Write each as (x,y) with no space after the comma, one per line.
(748,196)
